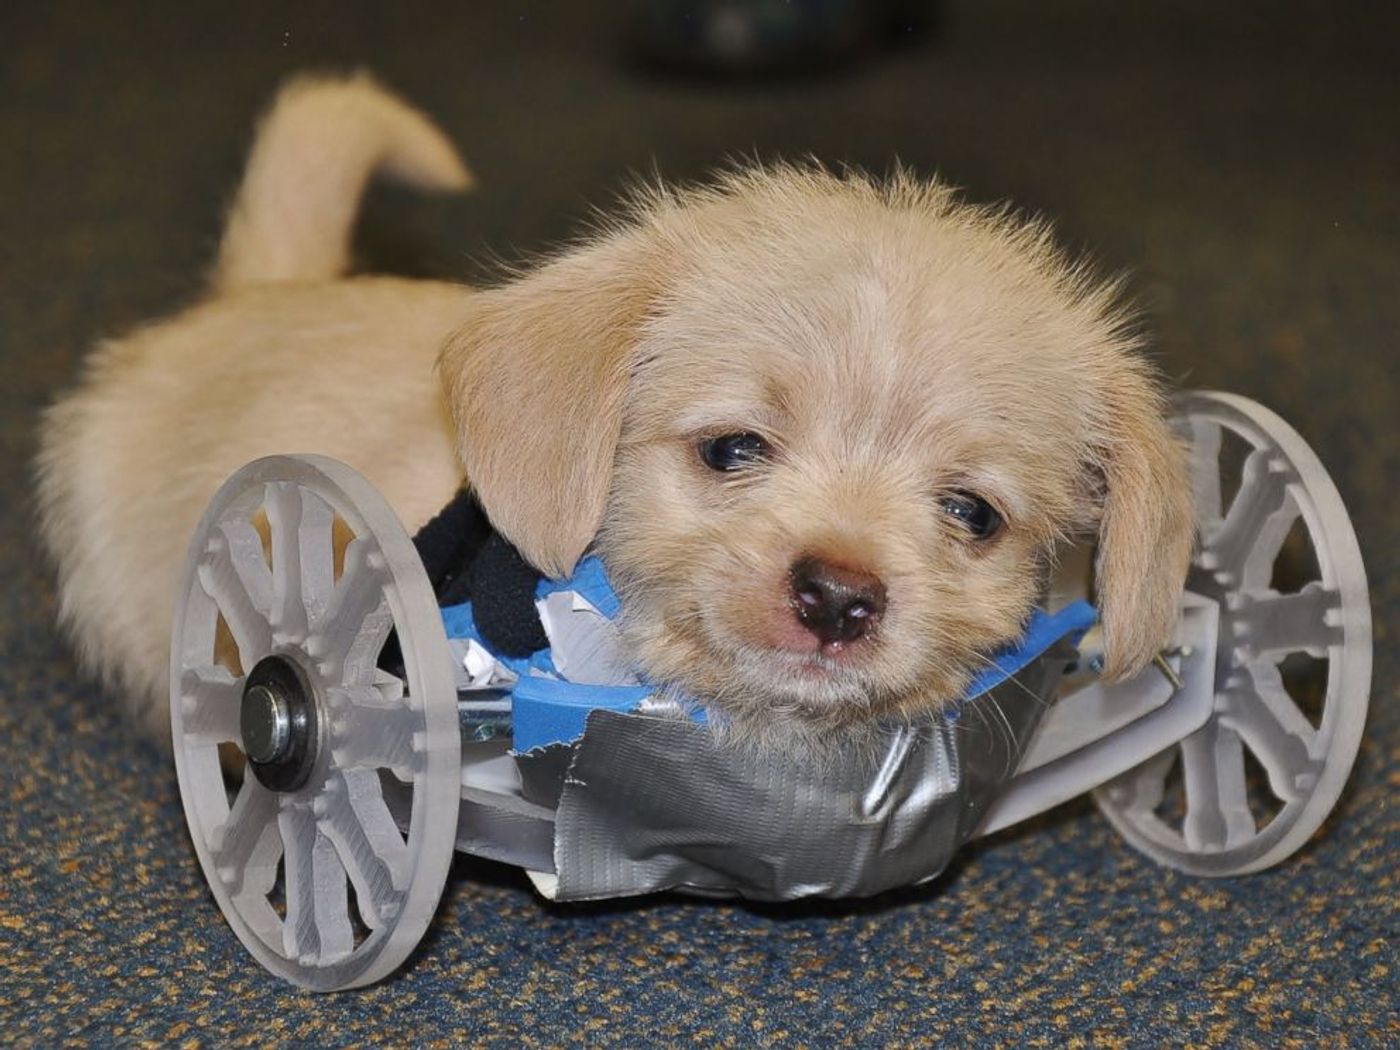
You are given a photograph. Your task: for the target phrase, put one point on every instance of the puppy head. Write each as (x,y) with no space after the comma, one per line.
(825,434)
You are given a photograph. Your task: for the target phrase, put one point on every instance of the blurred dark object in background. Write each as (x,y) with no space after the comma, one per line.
(744,39)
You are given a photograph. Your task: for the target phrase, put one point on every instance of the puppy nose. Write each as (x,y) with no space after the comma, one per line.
(836,604)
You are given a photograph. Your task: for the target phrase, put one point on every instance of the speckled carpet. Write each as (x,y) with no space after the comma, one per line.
(1242,167)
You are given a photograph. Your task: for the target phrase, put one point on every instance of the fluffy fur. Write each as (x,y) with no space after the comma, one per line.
(892,345)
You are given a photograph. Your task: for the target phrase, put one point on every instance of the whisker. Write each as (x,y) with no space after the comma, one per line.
(1003,725)
(1042,701)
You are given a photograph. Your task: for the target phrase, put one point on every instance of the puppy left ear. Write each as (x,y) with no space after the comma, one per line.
(1146,529)
(535,381)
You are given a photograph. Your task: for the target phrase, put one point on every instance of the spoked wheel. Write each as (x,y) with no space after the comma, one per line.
(1293,672)
(295,577)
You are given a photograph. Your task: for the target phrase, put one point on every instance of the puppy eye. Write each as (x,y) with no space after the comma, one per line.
(973,513)
(734,451)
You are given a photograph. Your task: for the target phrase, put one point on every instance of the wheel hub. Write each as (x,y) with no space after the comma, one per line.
(279,724)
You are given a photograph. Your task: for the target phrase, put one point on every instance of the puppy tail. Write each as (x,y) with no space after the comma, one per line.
(314,152)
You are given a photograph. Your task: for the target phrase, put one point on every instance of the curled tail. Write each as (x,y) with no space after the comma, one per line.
(314,152)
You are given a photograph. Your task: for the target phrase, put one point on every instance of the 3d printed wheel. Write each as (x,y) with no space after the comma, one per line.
(294,579)
(1293,671)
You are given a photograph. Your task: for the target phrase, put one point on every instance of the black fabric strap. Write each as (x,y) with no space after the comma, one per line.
(467,560)
(449,542)
(503,599)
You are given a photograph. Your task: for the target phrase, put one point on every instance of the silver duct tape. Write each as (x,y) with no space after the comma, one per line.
(649,804)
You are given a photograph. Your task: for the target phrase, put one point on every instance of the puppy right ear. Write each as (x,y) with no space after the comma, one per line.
(535,381)
(1147,527)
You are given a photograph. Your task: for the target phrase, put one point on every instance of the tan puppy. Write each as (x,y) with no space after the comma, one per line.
(824,432)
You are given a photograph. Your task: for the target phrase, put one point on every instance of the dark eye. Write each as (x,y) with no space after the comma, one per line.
(734,451)
(973,513)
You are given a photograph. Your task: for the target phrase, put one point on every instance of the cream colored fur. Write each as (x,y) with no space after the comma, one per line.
(892,343)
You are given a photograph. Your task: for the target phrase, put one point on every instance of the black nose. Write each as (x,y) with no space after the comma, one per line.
(836,604)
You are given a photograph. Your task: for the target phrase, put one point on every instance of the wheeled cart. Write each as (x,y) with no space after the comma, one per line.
(362,776)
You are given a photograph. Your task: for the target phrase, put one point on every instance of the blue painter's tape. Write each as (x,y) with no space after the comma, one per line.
(458,623)
(1042,631)
(551,711)
(590,581)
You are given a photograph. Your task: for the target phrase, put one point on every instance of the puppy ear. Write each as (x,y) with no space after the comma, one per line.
(1146,529)
(535,381)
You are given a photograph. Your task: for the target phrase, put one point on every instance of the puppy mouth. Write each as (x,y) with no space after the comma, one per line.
(812,679)
(815,665)
(758,682)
